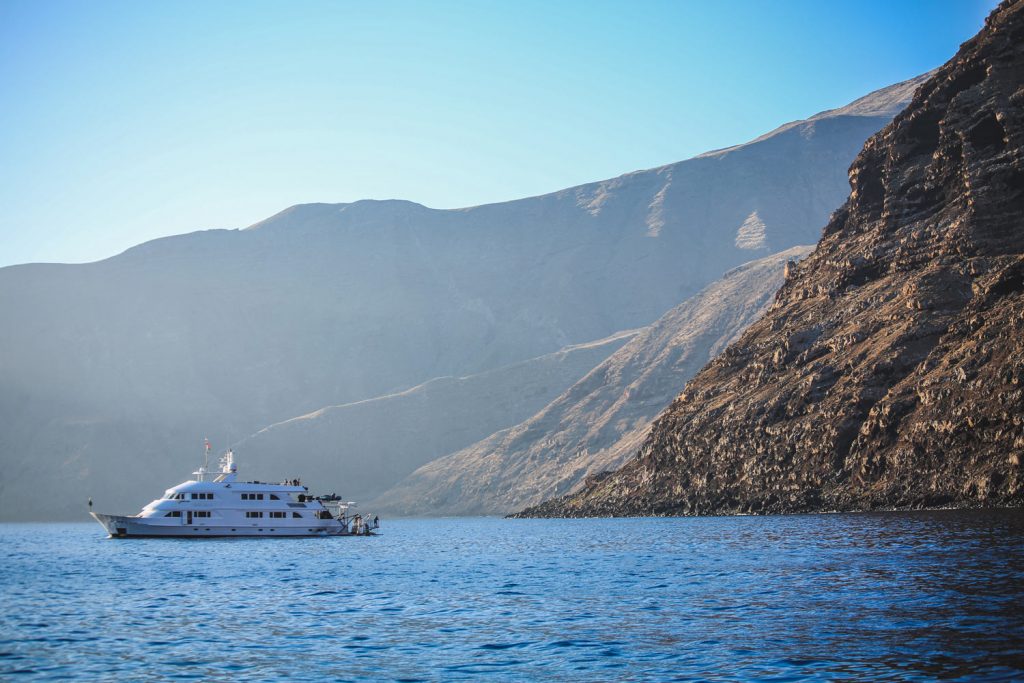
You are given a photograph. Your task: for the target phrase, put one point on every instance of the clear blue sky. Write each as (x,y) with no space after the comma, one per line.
(125,121)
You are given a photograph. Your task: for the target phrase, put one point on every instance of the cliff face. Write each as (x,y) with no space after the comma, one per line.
(599,422)
(889,371)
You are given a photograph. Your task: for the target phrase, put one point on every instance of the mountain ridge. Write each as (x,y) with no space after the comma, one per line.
(227,331)
(883,103)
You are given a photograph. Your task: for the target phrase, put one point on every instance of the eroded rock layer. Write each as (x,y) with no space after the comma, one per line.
(889,372)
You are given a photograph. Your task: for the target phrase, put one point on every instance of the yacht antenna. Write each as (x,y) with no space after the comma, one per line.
(206,455)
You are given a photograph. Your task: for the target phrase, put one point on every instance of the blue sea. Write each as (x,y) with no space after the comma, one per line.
(890,596)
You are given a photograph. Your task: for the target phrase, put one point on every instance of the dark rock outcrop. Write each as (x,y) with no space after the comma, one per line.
(890,370)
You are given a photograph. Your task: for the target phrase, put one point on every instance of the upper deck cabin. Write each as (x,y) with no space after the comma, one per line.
(223,490)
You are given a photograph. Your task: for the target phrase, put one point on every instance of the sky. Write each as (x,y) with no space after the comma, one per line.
(121,122)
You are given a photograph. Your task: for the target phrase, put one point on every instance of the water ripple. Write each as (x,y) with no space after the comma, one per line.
(908,596)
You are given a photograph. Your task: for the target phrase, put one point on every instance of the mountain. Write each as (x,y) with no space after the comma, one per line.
(112,372)
(889,371)
(599,422)
(384,439)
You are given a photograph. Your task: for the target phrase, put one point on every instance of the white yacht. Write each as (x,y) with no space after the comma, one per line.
(217,504)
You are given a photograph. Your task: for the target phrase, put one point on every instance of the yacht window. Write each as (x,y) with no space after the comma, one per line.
(251,514)
(273,497)
(296,514)
(201,513)
(278,515)
(259,496)
(175,513)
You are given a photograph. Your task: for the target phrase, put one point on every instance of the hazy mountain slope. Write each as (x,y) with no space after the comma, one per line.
(369,445)
(219,333)
(890,369)
(600,421)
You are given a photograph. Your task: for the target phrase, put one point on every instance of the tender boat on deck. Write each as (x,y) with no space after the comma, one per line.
(217,504)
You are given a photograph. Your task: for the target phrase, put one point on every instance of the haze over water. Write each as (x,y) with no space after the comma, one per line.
(907,596)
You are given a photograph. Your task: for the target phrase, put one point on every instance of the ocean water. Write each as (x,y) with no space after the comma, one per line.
(894,596)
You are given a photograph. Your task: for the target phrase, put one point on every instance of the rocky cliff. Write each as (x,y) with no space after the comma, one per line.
(599,422)
(889,371)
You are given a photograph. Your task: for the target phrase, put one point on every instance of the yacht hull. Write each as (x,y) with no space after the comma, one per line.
(124,526)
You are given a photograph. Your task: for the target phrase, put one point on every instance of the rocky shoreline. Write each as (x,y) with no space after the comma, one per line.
(553,509)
